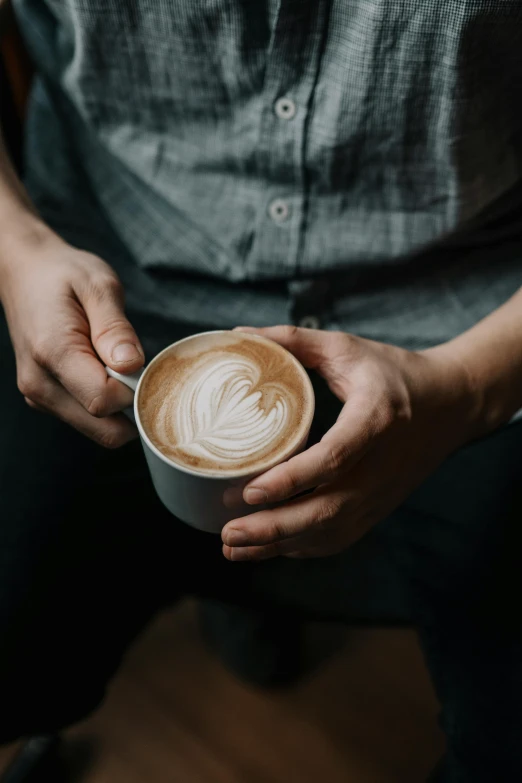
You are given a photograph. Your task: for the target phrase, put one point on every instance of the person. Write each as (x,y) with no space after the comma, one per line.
(346,179)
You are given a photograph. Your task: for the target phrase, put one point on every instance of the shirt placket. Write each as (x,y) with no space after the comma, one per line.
(290,77)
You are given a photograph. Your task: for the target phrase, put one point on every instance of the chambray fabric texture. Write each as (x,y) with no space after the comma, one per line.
(156,139)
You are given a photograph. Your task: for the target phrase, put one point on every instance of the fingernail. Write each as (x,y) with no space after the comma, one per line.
(234,537)
(244,329)
(125,352)
(254,496)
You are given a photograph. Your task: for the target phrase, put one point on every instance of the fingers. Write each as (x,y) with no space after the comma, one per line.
(340,449)
(317,465)
(284,548)
(47,395)
(309,346)
(279,528)
(71,360)
(315,543)
(299,548)
(93,321)
(112,335)
(331,354)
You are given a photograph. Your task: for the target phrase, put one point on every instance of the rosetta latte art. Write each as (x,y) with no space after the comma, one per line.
(225,403)
(225,413)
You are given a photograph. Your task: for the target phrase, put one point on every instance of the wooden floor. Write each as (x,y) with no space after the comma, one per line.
(174,715)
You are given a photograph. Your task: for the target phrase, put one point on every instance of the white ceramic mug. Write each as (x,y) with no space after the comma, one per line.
(193,497)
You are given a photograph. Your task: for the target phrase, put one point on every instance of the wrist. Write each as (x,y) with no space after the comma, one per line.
(458,388)
(27,234)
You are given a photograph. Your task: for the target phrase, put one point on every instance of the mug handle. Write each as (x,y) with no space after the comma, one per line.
(130,380)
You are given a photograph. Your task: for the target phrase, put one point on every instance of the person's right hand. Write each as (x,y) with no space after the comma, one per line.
(64,309)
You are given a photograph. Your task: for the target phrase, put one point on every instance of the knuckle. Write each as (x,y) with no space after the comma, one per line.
(27,384)
(50,354)
(290,331)
(339,338)
(97,406)
(43,352)
(111,438)
(89,261)
(103,286)
(117,324)
(390,411)
(292,482)
(342,342)
(276,531)
(386,415)
(402,407)
(329,509)
(335,457)
(110,282)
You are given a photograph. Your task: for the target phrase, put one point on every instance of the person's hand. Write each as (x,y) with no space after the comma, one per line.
(403,413)
(64,309)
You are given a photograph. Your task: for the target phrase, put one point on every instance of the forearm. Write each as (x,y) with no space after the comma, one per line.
(491,353)
(19,220)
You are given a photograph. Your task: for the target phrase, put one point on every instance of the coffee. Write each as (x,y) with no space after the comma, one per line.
(225,403)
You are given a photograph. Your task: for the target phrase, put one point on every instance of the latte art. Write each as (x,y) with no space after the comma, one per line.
(223,414)
(232,405)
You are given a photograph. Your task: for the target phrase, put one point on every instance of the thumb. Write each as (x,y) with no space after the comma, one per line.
(112,335)
(309,346)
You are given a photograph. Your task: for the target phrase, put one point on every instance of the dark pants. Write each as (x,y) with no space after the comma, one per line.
(88,555)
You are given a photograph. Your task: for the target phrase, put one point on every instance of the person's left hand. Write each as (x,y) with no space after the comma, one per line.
(404,413)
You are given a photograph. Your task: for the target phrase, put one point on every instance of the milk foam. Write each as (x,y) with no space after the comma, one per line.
(225,403)
(222,414)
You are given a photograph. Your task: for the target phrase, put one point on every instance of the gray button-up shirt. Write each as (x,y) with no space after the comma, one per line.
(237,152)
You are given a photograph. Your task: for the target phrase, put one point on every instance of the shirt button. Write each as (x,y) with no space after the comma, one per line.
(279,210)
(310,322)
(285,108)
